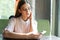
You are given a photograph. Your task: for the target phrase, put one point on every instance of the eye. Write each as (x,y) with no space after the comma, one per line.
(24,9)
(29,8)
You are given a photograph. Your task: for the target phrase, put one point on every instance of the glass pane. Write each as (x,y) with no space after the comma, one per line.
(42,14)
(6,8)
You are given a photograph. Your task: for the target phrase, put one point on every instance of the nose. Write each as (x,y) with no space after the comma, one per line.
(27,10)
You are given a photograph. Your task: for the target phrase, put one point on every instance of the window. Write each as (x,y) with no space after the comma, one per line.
(7,8)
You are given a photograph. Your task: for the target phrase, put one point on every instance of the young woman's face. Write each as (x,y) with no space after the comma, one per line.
(25,10)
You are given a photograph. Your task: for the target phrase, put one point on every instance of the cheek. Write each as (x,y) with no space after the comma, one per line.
(23,13)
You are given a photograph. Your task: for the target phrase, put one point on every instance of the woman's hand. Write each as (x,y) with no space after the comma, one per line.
(34,35)
(30,17)
(31,27)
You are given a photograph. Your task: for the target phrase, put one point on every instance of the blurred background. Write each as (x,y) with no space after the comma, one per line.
(41,10)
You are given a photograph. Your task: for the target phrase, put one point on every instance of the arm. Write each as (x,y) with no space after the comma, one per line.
(33,25)
(7,34)
(7,31)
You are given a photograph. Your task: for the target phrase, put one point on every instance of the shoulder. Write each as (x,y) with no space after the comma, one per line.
(12,20)
(34,22)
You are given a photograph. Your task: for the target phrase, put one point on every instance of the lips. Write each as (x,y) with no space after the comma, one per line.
(27,13)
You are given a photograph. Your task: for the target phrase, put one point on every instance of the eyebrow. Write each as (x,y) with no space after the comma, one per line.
(26,6)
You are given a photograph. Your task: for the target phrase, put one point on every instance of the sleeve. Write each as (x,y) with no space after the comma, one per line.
(34,26)
(10,26)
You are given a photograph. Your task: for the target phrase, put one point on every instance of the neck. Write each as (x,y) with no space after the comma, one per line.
(24,18)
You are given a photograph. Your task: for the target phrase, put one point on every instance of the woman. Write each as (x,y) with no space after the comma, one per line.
(22,23)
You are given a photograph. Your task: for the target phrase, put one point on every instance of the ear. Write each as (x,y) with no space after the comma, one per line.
(19,10)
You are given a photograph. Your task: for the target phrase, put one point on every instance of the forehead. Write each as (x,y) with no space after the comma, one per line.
(26,5)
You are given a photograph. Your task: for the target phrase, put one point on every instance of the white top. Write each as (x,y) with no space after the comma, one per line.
(20,26)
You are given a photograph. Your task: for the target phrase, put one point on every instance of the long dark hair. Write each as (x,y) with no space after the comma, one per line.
(20,3)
